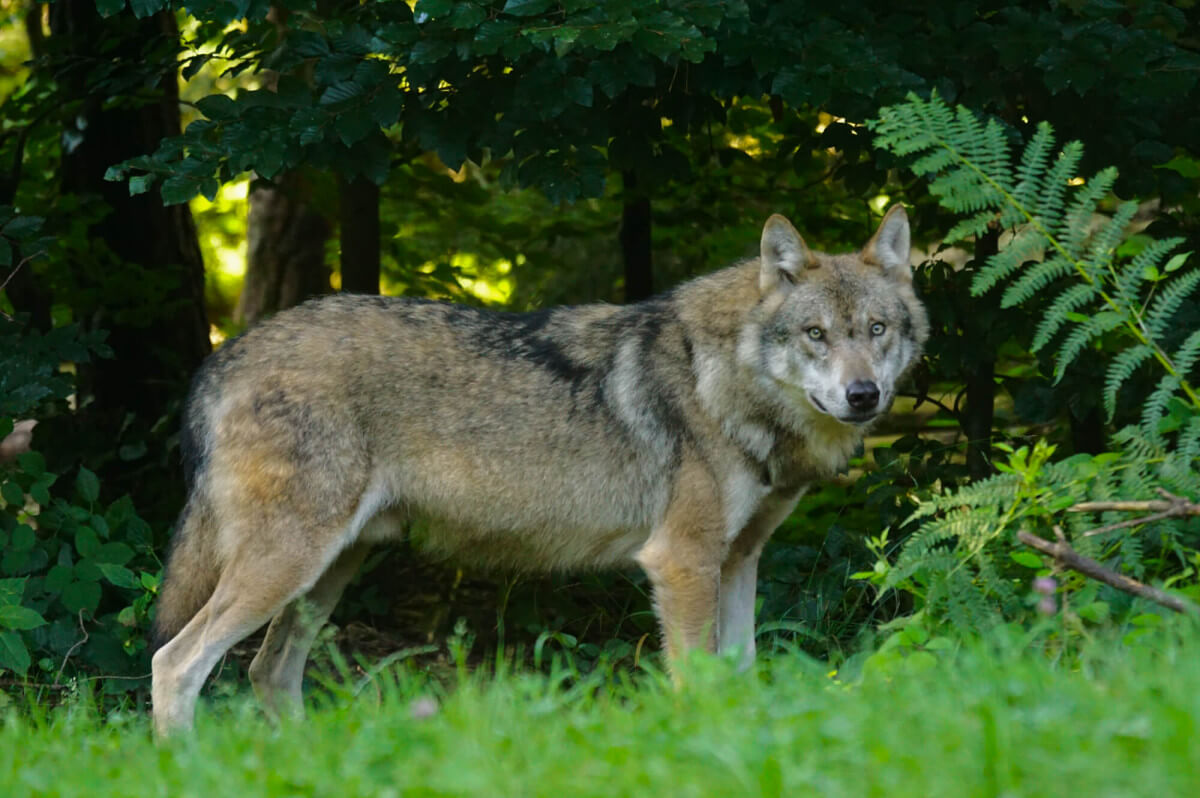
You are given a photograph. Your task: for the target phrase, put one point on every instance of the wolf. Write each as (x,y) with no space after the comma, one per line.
(675,433)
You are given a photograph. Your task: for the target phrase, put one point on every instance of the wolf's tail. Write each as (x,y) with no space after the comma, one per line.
(191,573)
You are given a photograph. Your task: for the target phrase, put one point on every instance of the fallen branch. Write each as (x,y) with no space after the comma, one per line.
(1063,554)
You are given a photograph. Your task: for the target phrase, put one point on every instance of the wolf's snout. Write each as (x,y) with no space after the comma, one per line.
(862,395)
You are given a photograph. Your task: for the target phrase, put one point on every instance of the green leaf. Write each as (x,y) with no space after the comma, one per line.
(1183,165)
(433,9)
(429,50)
(353,125)
(141,184)
(579,91)
(40,490)
(218,107)
(145,8)
(13,653)
(1096,612)
(118,575)
(1177,261)
(467,15)
(494,34)
(15,616)
(115,553)
(32,463)
(340,92)
(106,8)
(23,538)
(11,590)
(87,571)
(58,578)
(79,596)
(150,581)
(23,227)
(87,485)
(307,44)
(13,494)
(1027,559)
(526,8)
(86,542)
(179,189)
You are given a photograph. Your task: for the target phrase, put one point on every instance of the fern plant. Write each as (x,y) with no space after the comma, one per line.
(1059,232)
(960,558)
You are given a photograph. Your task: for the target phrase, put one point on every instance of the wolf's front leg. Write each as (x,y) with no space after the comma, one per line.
(739,576)
(683,560)
(685,599)
(735,630)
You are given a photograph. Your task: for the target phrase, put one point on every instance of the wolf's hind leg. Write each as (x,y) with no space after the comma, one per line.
(253,588)
(277,671)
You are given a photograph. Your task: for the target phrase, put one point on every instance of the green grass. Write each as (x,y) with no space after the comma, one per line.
(1122,721)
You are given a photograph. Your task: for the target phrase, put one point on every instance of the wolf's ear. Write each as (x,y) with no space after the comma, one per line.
(783,254)
(890,246)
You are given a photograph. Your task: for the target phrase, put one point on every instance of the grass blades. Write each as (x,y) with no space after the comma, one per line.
(1121,721)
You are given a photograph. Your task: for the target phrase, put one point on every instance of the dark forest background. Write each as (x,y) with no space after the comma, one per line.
(170,173)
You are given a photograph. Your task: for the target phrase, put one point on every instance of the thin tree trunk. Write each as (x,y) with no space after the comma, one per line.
(635,236)
(153,303)
(980,380)
(285,249)
(285,234)
(359,199)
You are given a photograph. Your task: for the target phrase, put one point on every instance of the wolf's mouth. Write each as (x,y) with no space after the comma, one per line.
(851,418)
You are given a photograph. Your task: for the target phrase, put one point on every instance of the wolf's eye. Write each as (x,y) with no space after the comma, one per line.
(877,329)
(816,333)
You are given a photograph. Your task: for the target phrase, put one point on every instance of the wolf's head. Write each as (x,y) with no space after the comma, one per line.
(836,332)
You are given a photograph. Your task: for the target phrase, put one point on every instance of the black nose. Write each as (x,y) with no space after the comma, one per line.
(862,395)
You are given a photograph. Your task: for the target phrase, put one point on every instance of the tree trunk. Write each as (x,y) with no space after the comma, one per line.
(285,234)
(980,379)
(152,301)
(359,200)
(635,241)
(285,249)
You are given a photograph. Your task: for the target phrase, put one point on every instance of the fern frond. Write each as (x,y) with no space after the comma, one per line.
(1035,278)
(1185,356)
(1030,174)
(1155,406)
(985,493)
(1076,225)
(1027,244)
(1137,446)
(1071,299)
(1187,446)
(1105,241)
(975,225)
(1054,188)
(1119,371)
(1081,336)
(1138,270)
(1168,302)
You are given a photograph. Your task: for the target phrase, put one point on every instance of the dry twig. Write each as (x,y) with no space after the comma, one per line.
(1171,506)
(1064,555)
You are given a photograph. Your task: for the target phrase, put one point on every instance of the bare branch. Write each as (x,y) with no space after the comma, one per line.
(1063,554)
(1171,506)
